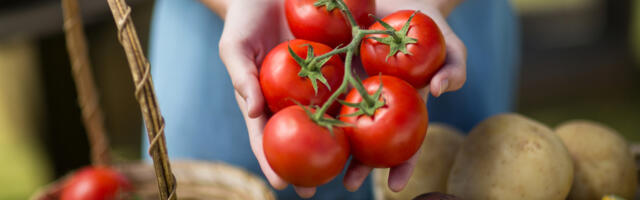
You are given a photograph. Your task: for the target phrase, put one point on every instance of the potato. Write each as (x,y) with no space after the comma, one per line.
(509,156)
(436,196)
(602,158)
(432,169)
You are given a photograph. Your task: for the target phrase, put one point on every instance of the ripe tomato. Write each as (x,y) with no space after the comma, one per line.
(309,22)
(96,183)
(281,83)
(395,131)
(300,151)
(426,56)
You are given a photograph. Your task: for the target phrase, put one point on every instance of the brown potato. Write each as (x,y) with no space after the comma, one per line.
(603,161)
(432,169)
(436,196)
(509,157)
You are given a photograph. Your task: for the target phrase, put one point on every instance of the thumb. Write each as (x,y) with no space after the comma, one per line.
(254,127)
(399,175)
(244,76)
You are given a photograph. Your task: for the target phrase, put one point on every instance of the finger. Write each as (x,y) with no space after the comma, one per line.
(305,192)
(399,175)
(355,175)
(424,93)
(255,127)
(453,74)
(244,76)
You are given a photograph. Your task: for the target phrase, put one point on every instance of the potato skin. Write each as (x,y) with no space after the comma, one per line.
(436,196)
(602,158)
(432,169)
(509,156)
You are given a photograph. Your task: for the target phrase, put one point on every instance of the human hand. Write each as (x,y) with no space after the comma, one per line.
(252,28)
(450,77)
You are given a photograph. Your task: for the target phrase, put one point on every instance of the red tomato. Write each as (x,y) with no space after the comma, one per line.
(95,183)
(300,151)
(427,54)
(396,130)
(280,81)
(309,22)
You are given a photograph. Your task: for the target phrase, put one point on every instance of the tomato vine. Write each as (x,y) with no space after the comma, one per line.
(370,103)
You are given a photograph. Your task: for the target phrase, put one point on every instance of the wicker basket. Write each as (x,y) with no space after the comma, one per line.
(196,180)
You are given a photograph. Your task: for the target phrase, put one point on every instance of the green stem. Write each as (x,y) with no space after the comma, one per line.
(345,82)
(358,35)
(363,92)
(352,45)
(329,54)
(345,10)
(348,77)
(367,32)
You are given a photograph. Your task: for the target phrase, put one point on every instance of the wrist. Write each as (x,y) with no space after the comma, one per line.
(445,6)
(219,7)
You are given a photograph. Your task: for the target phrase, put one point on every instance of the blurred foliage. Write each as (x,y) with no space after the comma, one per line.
(536,6)
(621,114)
(23,168)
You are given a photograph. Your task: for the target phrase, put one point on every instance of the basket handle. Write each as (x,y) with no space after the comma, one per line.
(146,97)
(85,86)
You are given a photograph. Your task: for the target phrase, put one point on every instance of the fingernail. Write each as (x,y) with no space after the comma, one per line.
(351,188)
(443,87)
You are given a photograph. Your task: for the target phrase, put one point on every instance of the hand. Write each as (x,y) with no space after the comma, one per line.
(454,72)
(252,28)
(450,78)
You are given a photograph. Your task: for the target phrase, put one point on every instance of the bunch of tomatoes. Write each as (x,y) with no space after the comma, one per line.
(381,121)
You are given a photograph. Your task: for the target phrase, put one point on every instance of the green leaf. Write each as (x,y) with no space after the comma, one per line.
(314,84)
(353,114)
(322,62)
(295,56)
(314,77)
(329,4)
(310,53)
(329,123)
(396,45)
(376,95)
(384,24)
(324,81)
(398,40)
(406,26)
(355,105)
(311,70)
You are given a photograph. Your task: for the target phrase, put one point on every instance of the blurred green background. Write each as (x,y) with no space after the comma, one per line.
(580,59)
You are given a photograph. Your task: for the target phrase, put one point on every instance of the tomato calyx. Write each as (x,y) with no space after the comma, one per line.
(321,120)
(328,4)
(310,68)
(366,107)
(397,41)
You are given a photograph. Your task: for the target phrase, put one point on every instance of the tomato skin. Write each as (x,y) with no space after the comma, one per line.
(395,132)
(95,183)
(302,152)
(309,22)
(428,53)
(281,84)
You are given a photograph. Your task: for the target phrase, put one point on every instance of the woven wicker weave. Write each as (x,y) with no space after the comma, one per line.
(196,180)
